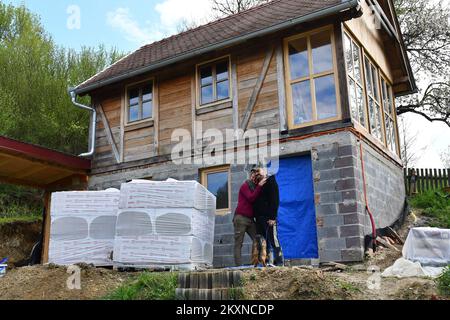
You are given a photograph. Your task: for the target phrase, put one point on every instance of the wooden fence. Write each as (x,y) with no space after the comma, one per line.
(421,180)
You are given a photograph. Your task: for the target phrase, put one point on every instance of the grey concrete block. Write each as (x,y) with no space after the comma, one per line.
(346,150)
(343,162)
(349,207)
(330,198)
(347,172)
(325,186)
(349,195)
(332,174)
(352,255)
(328,232)
(345,184)
(353,218)
(330,255)
(333,220)
(355,242)
(326,209)
(350,231)
(333,244)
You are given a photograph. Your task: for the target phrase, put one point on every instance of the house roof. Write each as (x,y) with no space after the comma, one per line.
(270,17)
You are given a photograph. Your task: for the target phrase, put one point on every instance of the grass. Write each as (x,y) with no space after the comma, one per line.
(22,218)
(147,286)
(436,205)
(443,282)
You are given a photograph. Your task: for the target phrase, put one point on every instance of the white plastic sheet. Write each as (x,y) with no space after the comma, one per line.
(83,227)
(403,268)
(168,223)
(428,246)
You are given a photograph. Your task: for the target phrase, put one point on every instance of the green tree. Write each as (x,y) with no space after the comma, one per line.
(35,75)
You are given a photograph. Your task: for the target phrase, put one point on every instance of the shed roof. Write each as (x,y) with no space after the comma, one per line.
(30,165)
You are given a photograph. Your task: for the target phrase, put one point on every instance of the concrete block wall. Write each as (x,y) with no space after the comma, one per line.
(341,219)
(385,187)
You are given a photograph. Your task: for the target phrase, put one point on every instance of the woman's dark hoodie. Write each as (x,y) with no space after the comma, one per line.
(268,202)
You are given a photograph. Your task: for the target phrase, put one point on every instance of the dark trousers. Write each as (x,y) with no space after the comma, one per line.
(270,234)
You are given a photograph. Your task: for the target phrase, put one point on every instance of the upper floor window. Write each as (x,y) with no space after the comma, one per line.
(353,64)
(311,78)
(373,100)
(140,102)
(214,82)
(389,115)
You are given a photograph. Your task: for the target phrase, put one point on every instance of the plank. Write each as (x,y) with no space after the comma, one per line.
(109,134)
(257,89)
(235,88)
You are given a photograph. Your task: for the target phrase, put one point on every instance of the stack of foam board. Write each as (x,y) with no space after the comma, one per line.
(83,227)
(429,246)
(168,223)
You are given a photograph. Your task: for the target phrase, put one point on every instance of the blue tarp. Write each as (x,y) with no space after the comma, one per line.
(297,230)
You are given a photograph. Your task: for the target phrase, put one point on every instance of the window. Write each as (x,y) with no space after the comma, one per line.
(353,63)
(311,78)
(214,82)
(217,181)
(373,100)
(389,116)
(140,102)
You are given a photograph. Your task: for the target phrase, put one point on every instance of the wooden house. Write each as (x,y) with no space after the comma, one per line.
(323,74)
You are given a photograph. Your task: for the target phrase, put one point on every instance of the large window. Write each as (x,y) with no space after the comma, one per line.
(373,100)
(353,63)
(389,116)
(371,97)
(140,102)
(311,78)
(217,181)
(214,82)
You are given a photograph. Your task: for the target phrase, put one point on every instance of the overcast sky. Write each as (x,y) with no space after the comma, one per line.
(127,25)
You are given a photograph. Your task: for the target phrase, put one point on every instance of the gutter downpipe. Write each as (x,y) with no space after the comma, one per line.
(342,7)
(92,125)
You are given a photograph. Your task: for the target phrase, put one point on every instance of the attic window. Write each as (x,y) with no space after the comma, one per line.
(214,82)
(140,102)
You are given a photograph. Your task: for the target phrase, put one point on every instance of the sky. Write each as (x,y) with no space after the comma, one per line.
(127,25)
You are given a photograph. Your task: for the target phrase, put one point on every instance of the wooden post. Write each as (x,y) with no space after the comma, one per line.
(46,222)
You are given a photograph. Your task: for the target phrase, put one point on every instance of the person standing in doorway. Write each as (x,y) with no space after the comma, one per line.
(244,218)
(266,208)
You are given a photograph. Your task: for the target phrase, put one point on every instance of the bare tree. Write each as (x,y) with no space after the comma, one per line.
(229,7)
(410,151)
(186,25)
(426,31)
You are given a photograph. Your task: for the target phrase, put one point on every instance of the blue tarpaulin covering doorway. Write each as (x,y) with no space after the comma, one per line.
(297,229)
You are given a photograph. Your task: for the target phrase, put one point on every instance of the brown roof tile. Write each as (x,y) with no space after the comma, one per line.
(246,22)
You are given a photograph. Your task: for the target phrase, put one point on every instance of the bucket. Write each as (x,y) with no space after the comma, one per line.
(3,270)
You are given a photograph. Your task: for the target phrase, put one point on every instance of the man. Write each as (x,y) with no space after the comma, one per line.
(244,218)
(266,208)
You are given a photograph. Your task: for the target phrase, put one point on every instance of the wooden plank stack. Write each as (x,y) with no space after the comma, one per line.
(211,285)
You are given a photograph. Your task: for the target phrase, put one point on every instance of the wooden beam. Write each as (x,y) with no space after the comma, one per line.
(20,182)
(109,134)
(235,89)
(47,224)
(254,97)
(281,88)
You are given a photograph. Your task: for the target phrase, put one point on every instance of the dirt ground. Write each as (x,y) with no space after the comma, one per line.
(17,240)
(305,283)
(50,283)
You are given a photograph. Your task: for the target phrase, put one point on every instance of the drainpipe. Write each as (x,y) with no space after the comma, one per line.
(92,126)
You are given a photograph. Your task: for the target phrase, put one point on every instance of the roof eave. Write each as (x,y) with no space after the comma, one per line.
(344,6)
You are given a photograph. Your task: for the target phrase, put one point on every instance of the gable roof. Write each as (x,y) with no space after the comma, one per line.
(264,19)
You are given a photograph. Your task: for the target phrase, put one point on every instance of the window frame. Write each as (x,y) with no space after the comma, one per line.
(393,117)
(213,63)
(311,77)
(349,76)
(139,85)
(204,181)
(368,96)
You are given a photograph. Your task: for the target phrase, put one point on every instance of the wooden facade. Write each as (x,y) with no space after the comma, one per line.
(259,95)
